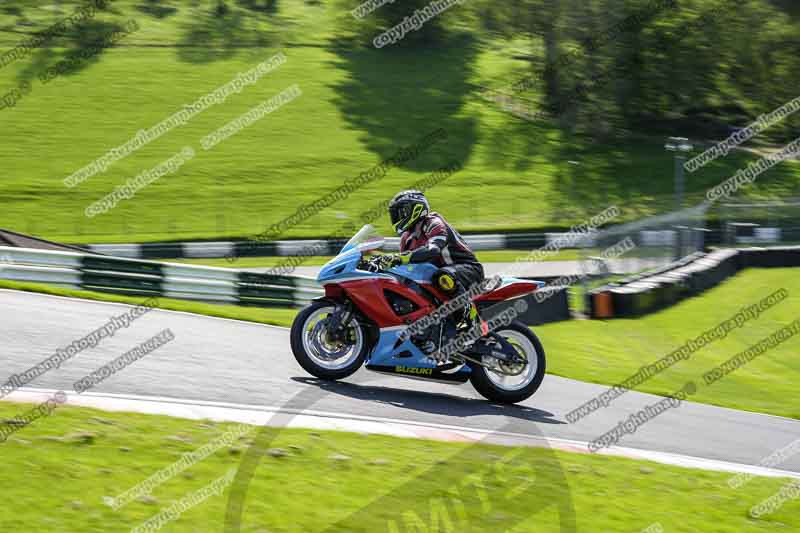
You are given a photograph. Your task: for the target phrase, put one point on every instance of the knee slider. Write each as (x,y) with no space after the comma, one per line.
(446,282)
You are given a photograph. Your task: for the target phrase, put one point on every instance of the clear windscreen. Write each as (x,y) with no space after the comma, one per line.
(365,238)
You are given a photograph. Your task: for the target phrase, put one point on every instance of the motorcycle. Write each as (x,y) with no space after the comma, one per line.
(366,316)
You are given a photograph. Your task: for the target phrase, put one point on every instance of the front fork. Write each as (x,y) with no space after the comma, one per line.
(339,322)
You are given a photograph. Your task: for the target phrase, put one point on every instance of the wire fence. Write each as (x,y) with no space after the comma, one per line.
(651,243)
(760,223)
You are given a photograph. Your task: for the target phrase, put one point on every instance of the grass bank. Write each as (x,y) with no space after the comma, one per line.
(58,470)
(515,174)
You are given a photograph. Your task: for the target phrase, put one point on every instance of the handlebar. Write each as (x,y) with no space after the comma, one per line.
(374,264)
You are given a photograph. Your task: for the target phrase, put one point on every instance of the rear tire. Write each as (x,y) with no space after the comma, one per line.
(312,360)
(489,384)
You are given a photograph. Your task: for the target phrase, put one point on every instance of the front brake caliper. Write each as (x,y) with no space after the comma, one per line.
(337,323)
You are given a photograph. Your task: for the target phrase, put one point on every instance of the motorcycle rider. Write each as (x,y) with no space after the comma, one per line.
(426,237)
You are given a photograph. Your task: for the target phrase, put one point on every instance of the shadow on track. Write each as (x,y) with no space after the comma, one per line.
(430,402)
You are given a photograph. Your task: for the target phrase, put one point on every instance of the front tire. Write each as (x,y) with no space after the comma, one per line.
(320,356)
(499,388)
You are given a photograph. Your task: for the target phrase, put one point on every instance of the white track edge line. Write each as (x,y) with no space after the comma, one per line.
(245,413)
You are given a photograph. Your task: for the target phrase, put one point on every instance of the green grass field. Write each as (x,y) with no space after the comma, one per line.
(351,482)
(358,107)
(607,352)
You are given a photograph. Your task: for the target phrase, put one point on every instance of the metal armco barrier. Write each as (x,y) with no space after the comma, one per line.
(191,282)
(150,278)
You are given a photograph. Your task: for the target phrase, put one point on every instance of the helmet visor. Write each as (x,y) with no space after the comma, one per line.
(399,215)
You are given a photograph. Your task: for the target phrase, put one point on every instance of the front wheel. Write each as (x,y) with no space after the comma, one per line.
(318,352)
(514,382)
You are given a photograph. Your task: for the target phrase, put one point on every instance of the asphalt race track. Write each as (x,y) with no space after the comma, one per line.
(222,360)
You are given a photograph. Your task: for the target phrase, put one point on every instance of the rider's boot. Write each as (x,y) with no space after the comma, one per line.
(476,321)
(448,335)
(467,323)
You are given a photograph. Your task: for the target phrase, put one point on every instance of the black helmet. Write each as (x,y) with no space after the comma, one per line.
(406,208)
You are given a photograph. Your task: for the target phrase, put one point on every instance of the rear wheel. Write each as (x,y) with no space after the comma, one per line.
(512,382)
(319,353)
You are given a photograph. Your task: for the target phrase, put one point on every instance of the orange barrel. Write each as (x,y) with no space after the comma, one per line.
(603,307)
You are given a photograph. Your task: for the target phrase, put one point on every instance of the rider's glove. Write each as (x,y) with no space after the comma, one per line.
(393,260)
